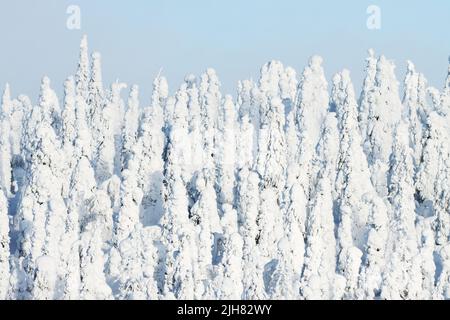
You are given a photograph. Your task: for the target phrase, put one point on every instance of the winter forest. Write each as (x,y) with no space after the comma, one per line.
(296,188)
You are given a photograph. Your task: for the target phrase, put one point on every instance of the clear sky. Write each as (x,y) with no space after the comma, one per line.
(138,37)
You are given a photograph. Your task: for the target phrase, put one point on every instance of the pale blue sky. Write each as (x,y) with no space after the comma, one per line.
(138,37)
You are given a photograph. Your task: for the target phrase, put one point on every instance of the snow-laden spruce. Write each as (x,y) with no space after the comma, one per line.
(296,189)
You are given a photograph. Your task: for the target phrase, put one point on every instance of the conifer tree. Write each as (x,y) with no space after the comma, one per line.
(252,262)
(416,110)
(384,112)
(83,73)
(4,247)
(402,276)
(5,144)
(318,276)
(178,233)
(433,174)
(148,152)
(92,246)
(226,152)
(130,130)
(366,98)
(205,216)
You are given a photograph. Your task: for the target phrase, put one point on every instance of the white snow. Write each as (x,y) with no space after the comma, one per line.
(293,190)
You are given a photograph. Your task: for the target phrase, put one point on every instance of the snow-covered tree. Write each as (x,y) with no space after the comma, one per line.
(82,188)
(311,108)
(249,119)
(83,73)
(228,278)
(42,209)
(442,290)
(288,85)
(11,124)
(49,104)
(269,221)
(195,121)
(366,99)
(426,243)
(96,94)
(374,259)
(205,216)
(295,206)
(210,99)
(252,262)
(271,159)
(181,280)
(45,278)
(402,277)
(5,144)
(284,193)
(302,133)
(93,284)
(92,245)
(349,267)
(18,167)
(384,112)
(69,129)
(416,110)
(318,274)
(107,138)
(148,152)
(354,189)
(131,197)
(178,233)
(70,260)
(131,126)
(432,177)
(244,143)
(226,151)
(135,273)
(68,115)
(7,104)
(441,100)
(356,197)
(4,246)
